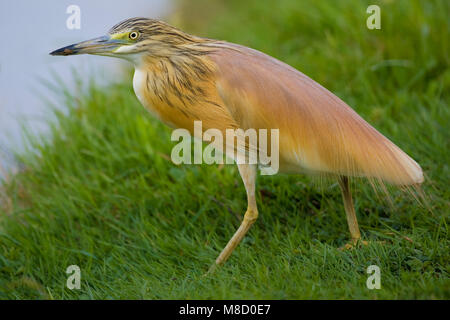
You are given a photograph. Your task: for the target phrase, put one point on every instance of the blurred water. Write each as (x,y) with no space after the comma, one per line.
(30,30)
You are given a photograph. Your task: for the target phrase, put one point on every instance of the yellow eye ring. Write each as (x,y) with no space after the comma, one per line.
(134,35)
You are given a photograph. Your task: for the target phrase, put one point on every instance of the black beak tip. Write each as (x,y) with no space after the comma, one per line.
(66,51)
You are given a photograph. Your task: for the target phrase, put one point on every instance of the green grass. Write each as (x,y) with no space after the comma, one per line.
(101,193)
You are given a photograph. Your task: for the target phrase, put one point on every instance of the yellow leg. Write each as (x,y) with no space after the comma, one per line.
(248,174)
(349,210)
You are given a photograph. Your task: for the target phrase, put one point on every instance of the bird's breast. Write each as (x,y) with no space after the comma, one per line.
(156,94)
(140,86)
(178,102)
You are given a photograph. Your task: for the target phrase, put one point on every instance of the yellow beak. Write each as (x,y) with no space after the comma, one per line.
(100,45)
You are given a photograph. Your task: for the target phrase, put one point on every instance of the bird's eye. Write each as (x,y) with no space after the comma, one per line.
(134,35)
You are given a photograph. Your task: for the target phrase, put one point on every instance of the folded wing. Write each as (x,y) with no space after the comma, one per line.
(319,133)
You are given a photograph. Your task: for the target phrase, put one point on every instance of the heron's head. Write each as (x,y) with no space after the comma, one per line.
(131,39)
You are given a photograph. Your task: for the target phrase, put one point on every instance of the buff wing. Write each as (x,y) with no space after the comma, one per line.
(319,133)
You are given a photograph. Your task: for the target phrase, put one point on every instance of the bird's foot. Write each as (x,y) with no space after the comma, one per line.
(211,269)
(358,243)
(354,244)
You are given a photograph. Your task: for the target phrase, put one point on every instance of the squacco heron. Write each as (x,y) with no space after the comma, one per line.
(181,78)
